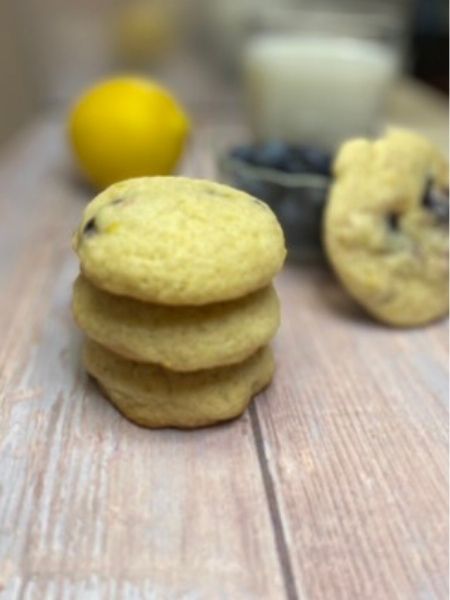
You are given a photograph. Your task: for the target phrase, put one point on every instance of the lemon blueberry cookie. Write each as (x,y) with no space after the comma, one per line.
(386,227)
(182,338)
(178,241)
(152,396)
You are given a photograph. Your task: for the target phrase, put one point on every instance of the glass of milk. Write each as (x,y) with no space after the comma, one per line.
(316,89)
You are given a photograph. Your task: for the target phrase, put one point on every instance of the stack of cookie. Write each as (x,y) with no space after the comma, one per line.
(176,298)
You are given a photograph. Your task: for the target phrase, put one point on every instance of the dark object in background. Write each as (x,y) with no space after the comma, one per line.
(285,157)
(293,181)
(429,43)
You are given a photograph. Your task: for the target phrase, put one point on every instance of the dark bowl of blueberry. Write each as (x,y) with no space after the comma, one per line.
(293,180)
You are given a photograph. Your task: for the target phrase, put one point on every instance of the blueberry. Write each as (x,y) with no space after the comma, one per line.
(90,228)
(284,157)
(294,162)
(246,154)
(272,155)
(393,221)
(436,201)
(317,160)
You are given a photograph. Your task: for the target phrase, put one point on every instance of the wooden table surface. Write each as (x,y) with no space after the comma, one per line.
(332,486)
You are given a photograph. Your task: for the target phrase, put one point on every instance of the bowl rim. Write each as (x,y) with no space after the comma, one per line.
(229,164)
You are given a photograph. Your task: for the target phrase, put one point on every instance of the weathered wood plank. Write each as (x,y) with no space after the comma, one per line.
(90,505)
(344,495)
(355,438)
(354,433)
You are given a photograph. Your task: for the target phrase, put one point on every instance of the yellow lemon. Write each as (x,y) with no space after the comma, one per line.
(127,127)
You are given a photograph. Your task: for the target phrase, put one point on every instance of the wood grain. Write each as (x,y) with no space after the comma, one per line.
(332,486)
(355,436)
(92,506)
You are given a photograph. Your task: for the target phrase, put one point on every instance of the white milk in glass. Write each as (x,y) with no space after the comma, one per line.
(316,90)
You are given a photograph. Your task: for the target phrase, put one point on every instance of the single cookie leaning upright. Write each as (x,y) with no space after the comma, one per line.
(181,338)
(386,227)
(178,241)
(155,397)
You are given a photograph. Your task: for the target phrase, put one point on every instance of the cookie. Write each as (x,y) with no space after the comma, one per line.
(179,241)
(185,338)
(386,227)
(152,396)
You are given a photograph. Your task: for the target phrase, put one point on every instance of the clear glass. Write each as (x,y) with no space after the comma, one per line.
(319,77)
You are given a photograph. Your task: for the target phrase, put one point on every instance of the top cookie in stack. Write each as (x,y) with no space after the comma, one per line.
(176,297)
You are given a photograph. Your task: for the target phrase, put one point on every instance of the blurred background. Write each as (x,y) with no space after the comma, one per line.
(51,49)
